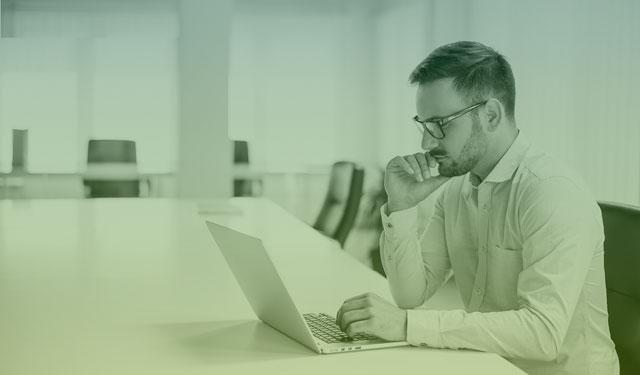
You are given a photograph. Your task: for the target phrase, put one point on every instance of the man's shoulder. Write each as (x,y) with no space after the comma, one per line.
(541,174)
(542,165)
(539,166)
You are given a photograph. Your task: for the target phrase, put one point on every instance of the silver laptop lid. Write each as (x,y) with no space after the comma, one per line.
(262,286)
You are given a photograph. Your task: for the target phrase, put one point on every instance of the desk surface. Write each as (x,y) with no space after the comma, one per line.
(138,286)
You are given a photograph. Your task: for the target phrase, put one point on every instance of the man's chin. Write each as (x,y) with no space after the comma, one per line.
(450,169)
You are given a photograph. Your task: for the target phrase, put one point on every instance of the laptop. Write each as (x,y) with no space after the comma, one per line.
(271,302)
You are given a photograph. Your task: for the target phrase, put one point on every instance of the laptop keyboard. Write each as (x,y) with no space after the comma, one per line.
(324,327)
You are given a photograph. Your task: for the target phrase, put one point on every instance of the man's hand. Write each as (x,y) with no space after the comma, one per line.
(370,314)
(408,180)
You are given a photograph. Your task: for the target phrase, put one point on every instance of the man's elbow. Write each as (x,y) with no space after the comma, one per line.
(405,301)
(549,342)
(547,353)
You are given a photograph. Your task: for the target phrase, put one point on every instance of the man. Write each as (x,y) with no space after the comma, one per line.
(519,231)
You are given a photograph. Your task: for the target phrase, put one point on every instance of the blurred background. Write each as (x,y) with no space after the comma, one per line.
(212,99)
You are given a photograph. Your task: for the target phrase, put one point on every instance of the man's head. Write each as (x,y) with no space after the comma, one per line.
(455,77)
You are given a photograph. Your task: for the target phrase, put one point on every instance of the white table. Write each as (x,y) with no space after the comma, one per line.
(138,286)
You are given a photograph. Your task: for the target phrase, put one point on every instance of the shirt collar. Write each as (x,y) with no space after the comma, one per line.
(506,166)
(510,161)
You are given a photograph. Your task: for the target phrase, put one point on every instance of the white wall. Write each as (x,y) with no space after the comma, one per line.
(401,41)
(301,86)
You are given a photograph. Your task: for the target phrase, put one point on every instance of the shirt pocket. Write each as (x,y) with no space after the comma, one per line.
(505,266)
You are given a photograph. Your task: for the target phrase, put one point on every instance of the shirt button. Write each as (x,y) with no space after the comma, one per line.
(478,291)
(424,345)
(389,225)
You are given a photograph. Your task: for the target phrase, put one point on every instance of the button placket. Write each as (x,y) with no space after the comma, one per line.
(484,197)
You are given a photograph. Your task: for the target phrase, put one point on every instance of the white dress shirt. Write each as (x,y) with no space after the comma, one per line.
(526,248)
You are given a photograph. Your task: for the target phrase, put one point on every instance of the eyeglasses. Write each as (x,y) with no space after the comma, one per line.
(434,127)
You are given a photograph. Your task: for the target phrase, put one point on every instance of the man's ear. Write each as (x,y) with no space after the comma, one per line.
(493,112)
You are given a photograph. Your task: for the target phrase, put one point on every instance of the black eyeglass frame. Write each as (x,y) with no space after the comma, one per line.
(440,123)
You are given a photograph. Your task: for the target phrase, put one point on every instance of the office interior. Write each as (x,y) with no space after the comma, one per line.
(298,102)
(261,98)
(296,86)
(293,87)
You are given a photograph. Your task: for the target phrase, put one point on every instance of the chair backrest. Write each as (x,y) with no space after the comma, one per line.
(340,207)
(111,151)
(622,269)
(242,187)
(20,147)
(106,159)
(240,152)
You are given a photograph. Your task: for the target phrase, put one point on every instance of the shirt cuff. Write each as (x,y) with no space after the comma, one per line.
(399,224)
(423,328)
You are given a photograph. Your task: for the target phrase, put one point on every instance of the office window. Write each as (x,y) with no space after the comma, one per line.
(38,92)
(135,97)
(75,71)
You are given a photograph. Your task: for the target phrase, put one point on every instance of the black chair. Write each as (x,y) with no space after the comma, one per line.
(240,152)
(117,154)
(244,187)
(622,268)
(340,206)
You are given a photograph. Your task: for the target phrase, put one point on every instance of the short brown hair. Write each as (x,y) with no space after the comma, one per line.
(478,72)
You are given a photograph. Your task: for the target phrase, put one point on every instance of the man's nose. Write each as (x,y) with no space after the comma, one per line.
(428,142)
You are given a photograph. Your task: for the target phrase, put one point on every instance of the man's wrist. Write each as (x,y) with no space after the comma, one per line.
(395,207)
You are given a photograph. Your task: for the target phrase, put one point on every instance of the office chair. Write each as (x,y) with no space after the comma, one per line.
(244,186)
(240,152)
(112,167)
(20,151)
(622,269)
(341,203)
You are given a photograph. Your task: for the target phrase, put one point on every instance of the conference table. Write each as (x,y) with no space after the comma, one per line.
(139,286)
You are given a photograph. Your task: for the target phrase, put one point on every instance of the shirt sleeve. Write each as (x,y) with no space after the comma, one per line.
(561,233)
(416,266)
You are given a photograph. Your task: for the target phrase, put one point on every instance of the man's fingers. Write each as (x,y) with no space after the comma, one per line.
(411,159)
(360,296)
(431,160)
(404,165)
(354,303)
(353,316)
(424,167)
(350,305)
(362,326)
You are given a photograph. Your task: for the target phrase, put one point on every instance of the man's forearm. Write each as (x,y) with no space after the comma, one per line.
(405,272)
(519,334)
(415,269)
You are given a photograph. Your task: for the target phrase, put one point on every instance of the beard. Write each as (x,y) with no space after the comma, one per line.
(473,150)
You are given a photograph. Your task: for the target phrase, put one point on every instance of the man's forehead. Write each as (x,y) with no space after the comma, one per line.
(437,98)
